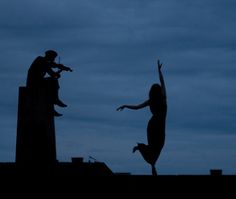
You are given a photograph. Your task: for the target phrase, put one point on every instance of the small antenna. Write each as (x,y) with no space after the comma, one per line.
(90,157)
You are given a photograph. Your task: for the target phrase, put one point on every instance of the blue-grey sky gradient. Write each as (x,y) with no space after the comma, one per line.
(112,47)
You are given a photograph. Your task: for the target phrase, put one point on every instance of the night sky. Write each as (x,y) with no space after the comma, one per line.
(112,47)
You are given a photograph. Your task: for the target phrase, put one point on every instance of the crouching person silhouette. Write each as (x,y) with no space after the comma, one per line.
(37,79)
(157,103)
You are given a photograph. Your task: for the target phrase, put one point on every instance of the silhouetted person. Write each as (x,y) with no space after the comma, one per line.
(157,103)
(37,79)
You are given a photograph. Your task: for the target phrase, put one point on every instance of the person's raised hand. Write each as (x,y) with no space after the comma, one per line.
(159,64)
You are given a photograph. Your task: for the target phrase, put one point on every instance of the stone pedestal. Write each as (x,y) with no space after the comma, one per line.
(35,142)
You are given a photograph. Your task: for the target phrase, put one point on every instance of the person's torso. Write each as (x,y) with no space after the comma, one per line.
(37,70)
(158,108)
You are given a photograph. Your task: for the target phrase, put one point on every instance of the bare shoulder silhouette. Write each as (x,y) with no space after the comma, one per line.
(157,103)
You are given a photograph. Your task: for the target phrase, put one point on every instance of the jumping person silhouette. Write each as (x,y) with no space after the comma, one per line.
(157,103)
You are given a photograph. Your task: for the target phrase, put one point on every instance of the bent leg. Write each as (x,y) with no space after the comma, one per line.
(52,86)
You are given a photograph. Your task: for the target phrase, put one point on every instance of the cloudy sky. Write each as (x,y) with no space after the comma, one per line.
(112,46)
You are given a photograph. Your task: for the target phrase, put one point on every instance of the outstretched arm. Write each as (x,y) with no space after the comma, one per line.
(161,78)
(134,107)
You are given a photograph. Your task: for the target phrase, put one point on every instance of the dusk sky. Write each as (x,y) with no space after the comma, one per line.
(112,47)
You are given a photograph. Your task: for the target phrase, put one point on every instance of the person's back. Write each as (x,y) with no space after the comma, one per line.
(36,72)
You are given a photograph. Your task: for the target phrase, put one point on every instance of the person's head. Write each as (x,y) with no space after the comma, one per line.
(51,55)
(155,91)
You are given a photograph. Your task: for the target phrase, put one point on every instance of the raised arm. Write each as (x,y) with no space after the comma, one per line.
(161,78)
(134,107)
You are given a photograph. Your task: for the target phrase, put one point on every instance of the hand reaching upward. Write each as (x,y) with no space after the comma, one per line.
(159,64)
